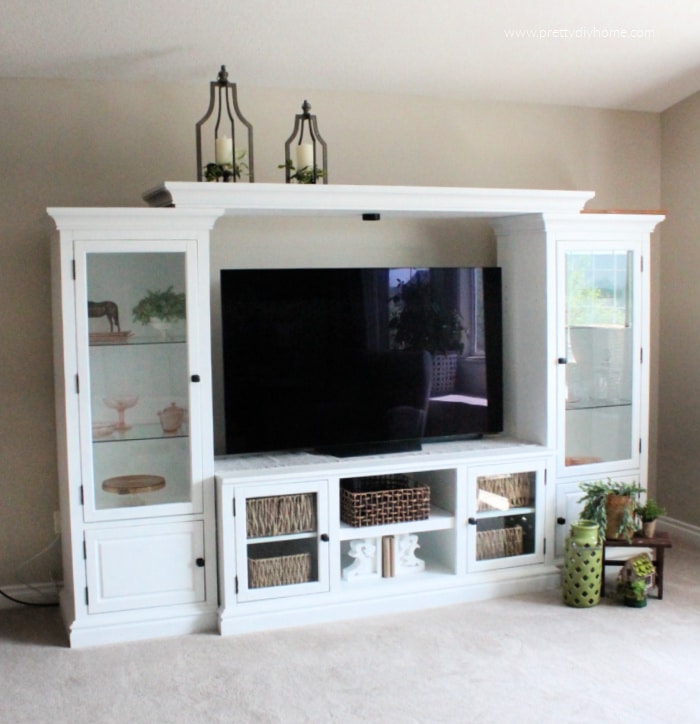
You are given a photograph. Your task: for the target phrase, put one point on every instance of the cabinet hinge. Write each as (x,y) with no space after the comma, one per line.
(84,551)
(82,496)
(236,581)
(545,547)
(641,263)
(77,384)
(641,355)
(234,507)
(640,445)
(73,268)
(87,598)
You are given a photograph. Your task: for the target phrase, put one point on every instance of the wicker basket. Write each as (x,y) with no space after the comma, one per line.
(279,570)
(499,543)
(383,499)
(516,488)
(280,515)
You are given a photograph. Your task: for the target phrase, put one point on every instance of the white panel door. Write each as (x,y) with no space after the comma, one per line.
(141,566)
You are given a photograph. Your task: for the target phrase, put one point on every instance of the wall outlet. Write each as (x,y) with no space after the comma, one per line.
(57,522)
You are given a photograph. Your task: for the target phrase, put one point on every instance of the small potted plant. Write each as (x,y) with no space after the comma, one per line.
(611,503)
(649,512)
(160,308)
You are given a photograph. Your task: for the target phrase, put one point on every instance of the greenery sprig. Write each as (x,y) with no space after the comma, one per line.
(304,175)
(227,171)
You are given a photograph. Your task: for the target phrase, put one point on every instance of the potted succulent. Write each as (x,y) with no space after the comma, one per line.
(611,504)
(420,321)
(649,512)
(160,308)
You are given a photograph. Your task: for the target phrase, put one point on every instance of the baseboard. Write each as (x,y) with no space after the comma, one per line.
(680,531)
(44,593)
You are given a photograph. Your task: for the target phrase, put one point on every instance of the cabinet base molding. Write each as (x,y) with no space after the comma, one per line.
(97,634)
(495,585)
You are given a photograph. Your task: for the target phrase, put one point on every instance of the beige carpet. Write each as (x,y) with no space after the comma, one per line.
(524,659)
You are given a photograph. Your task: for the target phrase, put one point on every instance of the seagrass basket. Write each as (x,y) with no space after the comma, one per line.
(285,570)
(499,543)
(516,488)
(280,515)
(382,499)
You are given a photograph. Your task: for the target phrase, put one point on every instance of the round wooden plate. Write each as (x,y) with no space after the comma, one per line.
(129,484)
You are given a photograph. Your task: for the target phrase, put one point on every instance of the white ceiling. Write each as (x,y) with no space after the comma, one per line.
(453,48)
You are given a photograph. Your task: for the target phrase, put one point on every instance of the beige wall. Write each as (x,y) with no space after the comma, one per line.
(102,144)
(679,396)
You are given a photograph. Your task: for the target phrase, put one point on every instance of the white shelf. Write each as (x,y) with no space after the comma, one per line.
(439,520)
(262,199)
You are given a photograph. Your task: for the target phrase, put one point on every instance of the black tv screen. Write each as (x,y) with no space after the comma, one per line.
(360,361)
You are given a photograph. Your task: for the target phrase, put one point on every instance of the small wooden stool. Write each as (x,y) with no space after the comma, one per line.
(659,543)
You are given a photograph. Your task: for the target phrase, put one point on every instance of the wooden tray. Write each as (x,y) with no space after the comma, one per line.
(130,484)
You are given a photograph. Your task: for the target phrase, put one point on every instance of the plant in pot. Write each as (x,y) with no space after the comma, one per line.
(649,512)
(611,504)
(160,309)
(420,321)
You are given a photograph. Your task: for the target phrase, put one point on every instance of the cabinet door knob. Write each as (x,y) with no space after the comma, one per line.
(324,537)
(561,520)
(471,521)
(200,562)
(195,378)
(563,361)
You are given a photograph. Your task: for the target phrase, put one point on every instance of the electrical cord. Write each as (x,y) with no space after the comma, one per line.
(29,585)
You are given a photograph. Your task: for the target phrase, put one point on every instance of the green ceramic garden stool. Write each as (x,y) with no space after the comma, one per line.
(583,573)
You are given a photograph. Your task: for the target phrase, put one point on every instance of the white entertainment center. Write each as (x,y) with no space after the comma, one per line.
(161,538)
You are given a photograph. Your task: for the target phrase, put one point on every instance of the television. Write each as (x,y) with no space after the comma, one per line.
(355,361)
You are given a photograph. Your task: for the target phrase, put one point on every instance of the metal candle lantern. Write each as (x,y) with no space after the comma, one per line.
(231,161)
(304,168)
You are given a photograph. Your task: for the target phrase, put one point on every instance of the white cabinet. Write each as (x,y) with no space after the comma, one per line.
(134,420)
(578,320)
(305,538)
(139,524)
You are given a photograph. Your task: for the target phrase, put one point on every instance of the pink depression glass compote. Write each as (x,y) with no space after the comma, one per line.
(120,403)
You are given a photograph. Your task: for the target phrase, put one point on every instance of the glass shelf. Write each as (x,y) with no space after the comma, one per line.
(100,340)
(140,432)
(597,404)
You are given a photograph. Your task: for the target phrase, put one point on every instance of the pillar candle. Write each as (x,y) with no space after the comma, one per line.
(224,150)
(305,156)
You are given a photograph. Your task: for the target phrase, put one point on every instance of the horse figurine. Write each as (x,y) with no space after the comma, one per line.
(105,309)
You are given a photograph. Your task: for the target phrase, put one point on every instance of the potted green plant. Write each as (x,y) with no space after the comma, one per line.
(649,511)
(160,308)
(420,321)
(611,504)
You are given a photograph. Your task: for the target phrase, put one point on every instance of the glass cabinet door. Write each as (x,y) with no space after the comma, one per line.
(136,406)
(282,542)
(505,521)
(601,348)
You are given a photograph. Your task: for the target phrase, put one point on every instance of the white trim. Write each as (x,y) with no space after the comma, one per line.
(245,199)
